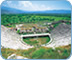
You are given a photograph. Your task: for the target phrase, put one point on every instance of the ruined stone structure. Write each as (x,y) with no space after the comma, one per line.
(32,28)
(61,35)
(10,39)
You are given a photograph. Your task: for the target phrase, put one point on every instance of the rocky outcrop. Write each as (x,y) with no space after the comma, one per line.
(10,39)
(14,56)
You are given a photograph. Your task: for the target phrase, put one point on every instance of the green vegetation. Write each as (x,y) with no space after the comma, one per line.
(12,19)
(37,40)
(68,23)
(25,33)
(55,25)
(40,53)
(18,31)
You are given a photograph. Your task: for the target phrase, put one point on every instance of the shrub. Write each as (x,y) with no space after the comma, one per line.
(38,53)
(18,31)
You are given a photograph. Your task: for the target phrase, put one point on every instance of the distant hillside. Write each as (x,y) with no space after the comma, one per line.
(55,11)
(8,10)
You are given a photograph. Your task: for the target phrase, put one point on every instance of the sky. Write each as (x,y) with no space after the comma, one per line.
(38,5)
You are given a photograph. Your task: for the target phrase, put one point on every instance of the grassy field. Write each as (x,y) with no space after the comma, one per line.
(40,53)
(37,40)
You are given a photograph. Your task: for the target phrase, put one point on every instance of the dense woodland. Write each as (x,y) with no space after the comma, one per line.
(8,19)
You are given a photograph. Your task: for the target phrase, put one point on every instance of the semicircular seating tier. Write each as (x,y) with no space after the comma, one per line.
(61,36)
(10,39)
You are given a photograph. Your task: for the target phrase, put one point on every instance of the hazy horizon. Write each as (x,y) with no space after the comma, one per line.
(37,5)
